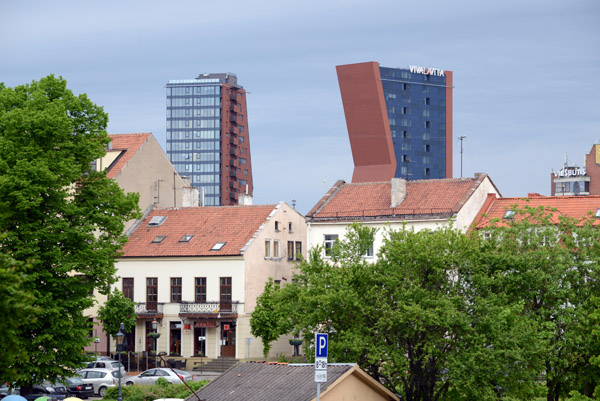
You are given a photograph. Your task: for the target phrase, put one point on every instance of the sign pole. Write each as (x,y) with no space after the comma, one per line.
(321,347)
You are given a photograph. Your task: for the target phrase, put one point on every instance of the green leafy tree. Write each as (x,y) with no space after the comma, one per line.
(16,307)
(117,309)
(551,264)
(421,320)
(58,214)
(265,321)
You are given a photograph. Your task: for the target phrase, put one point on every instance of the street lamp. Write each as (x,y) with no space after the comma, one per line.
(155,328)
(120,336)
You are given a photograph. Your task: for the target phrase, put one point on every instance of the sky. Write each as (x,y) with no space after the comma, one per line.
(526,74)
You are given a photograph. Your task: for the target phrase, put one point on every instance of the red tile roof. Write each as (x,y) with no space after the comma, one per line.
(568,206)
(234,225)
(129,144)
(442,197)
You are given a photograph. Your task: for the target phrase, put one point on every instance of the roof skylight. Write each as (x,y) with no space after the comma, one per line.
(218,246)
(509,215)
(158,239)
(186,238)
(156,221)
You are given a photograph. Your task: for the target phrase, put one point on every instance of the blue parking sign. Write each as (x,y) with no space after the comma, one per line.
(321,343)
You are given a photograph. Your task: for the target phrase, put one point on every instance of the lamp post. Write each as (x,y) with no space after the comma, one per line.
(120,336)
(155,328)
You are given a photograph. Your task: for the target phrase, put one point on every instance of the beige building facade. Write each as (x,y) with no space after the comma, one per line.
(197,272)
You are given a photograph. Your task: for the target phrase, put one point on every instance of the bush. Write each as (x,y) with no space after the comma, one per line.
(161,389)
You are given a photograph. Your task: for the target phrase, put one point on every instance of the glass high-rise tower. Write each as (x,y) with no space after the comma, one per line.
(207,136)
(399,121)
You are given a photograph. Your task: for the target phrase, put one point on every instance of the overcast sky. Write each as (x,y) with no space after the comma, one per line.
(526,74)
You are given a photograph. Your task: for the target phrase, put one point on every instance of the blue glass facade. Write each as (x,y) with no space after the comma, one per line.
(416,107)
(206,136)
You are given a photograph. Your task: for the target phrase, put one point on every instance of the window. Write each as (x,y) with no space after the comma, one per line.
(277,283)
(176,289)
(158,239)
(370,251)
(290,227)
(277,226)
(298,250)
(405,134)
(509,215)
(427,171)
(128,287)
(425,113)
(267,248)
(290,250)
(151,293)
(427,100)
(426,148)
(276,249)
(330,240)
(427,124)
(405,110)
(200,292)
(186,238)
(218,246)
(225,293)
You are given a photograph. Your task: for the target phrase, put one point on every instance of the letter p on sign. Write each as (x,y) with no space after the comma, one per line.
(321,343)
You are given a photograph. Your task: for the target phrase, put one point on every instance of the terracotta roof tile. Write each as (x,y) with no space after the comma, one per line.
(129,144)
(373,199)
(234,225)
(568,206)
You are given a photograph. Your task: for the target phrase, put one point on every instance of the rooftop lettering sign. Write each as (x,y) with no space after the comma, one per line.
(426,70)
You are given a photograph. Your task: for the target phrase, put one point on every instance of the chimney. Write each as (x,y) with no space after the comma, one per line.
(244,199)
(398,191)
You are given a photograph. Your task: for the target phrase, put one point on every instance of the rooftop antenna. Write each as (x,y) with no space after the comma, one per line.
(461,138)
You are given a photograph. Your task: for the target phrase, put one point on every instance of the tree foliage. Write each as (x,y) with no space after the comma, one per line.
(59,215)
(442,315)
(16,307)
(116,310)
(551,264)
(265,320)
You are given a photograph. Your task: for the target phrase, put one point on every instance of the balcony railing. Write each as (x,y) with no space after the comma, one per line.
(208,307)
(152,308)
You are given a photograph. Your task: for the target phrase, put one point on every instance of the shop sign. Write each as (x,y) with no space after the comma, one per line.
(205,323)
(571,172)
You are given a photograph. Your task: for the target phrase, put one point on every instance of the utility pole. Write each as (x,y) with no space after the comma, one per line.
(461,138)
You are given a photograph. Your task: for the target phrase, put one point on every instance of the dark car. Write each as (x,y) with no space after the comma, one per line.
(44,390)
(75,387)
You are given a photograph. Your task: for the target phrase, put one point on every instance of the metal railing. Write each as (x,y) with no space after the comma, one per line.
(152,308)
(208,307)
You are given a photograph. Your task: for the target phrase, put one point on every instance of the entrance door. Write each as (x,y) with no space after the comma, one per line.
(175,343)
(228,339)
(200,341)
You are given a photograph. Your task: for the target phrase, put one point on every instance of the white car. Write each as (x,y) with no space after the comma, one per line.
(106,364)
(149,376)
(101,379)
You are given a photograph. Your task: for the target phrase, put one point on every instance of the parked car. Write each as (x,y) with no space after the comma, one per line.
(106,364)
(73,387)
(151,375)
(45,390)
(100,379)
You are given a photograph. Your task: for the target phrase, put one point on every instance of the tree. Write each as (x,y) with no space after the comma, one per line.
(419,320)
(58,214)
(16,306)
(265,321)
(118,309)
(551,264)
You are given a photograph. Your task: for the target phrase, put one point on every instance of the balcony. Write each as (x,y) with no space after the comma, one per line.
(207,309)
(149,310)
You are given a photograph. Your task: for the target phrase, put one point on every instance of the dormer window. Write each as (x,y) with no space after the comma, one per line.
(218,246)
(186,238)
(156,221)
(598,213)
(509,215)
(158,239)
